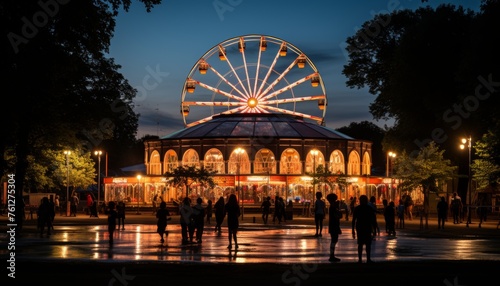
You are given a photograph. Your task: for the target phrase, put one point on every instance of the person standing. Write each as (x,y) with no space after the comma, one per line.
(456,208)
(334,216)
(112,215)
(199,219)
(232,209)
(363,223)
(57,205)
(442,212)
(163,216)
(209,211)
(90,202)
(187,227)
(266,208)
(401,214)
(120,209)
(319,213)
(390,218)
(45,215)
(372,203)
(74,204)
(219,214)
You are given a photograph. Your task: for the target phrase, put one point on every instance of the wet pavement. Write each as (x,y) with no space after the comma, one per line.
(86,239)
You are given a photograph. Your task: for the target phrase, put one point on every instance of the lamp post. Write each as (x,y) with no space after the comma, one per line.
(98,153)
(468,141)
(239,151)
(68,206)
(390,155)
(138,192)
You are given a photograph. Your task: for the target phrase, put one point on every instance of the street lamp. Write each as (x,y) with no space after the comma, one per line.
(239,151)
(390,155)
(68,206)
(138,192)
(469,177)
(98,153)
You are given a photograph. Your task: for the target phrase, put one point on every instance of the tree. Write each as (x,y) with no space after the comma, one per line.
(62,89)
(429,70)
(426,171)
(186,175)
(486,172)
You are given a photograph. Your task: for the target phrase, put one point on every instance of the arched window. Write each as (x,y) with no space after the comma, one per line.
(191,158)
(314,159)
(154,163)
(353,165)
(264,162)
(239,161)
(366,167)
(171,161)
(336,165)
(214,161)
(290,162)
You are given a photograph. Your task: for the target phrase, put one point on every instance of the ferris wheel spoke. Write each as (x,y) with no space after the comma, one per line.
(247,95)
(242,43)
(288,87)
(212,103)
(280,77)
(271,68)
(219,91)
(227,82)
(295,99)
(286,111)
(208,118)
(261,46)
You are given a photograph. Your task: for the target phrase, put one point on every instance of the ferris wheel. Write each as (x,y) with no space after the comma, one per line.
(253,74)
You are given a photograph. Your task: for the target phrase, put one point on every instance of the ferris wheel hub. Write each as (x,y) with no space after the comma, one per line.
(252,102)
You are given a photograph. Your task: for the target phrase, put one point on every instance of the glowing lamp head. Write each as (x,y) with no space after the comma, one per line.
(252,102)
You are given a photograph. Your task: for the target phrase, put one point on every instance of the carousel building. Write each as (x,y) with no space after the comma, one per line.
(254,111)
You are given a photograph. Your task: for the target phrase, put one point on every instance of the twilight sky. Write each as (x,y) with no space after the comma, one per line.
(157,50)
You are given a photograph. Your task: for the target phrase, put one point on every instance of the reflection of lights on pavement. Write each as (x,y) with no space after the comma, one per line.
(138,243)
(463,249)
(64,252)
(65,236)
(392,244)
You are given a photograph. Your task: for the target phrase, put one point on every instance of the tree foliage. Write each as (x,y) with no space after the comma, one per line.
(433,71)
(425,171)
(185,176)
(63,91)
(485,169)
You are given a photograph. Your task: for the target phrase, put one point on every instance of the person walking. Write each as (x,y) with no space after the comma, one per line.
(74,204)
(232,209)
(363,223)
(163,216)
(187,226)
(112,216)
(209,211)
(57,204)
(401,214)
(219,214)
(90,202)
(199,219)
(120,210)
(319,213)
(45,214)
(334,216)
(442,212)
(390,218)
(266,208)
(456,208)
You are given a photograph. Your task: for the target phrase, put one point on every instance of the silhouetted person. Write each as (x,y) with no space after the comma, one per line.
(232,209)
(45,214)
(390,218)
(401,214)
(334,216)
(219,214)
(120,209)
(266,208)
(163,216)
(482,211)
(442,212)
(112,216)
(187,226)
(319,213)
(209,211)
(363,223)
(385,203)
(279,209)
(372,203)
(199,219)
(456,208)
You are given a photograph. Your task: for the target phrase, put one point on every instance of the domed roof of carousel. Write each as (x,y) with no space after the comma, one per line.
(244,125)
